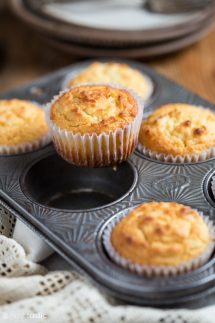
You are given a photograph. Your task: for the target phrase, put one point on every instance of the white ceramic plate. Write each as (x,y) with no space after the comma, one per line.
(92,24)
(118,15)
(132,52)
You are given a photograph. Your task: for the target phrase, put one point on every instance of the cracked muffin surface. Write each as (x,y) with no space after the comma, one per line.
(94,109)
(178,130)
(161,234)
(114,72)
(21,122)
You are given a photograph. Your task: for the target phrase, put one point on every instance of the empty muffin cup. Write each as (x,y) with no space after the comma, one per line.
(54,183)
(107,120)
(213,186)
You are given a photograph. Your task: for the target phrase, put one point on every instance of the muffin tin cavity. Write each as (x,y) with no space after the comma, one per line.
(55,183)
(209,188)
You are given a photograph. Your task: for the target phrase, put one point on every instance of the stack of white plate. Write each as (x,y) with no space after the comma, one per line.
(112,28)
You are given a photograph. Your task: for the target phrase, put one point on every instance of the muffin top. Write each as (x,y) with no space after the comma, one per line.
(94,109)
(21,122)
(178,129)
(115,73)
(161,234)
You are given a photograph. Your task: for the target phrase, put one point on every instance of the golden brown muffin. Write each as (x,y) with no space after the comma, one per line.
(94,109)
(161,234)
(115,73)
(95,125)
(21,122)
(178,129)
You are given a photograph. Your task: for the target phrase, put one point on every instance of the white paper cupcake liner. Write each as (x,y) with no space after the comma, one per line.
(96,150)
(145,97)
(205,155)
(27,146)
(150,271)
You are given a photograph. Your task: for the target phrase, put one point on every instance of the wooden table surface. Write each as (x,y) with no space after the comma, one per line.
(23,57)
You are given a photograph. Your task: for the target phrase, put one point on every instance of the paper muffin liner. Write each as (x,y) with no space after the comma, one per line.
(27,146)
(145,97)
(150,271)
(203,156)
(96,150)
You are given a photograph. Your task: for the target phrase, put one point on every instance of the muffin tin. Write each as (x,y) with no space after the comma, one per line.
(70,207)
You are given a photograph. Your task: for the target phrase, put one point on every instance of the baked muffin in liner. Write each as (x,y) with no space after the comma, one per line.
(149,270)
(27,145)
(96,150)
(191,128)
(112,72)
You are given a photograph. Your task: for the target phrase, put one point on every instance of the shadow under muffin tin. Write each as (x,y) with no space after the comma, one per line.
(70,207)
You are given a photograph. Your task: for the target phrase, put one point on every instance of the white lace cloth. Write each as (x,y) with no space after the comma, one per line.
(28,293)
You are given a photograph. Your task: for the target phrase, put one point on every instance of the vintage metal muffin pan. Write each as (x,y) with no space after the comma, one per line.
(69,207)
